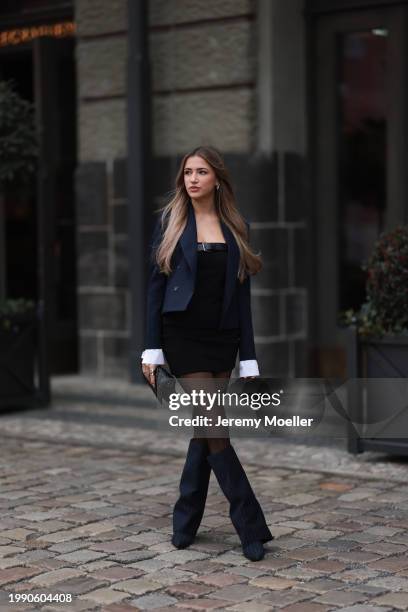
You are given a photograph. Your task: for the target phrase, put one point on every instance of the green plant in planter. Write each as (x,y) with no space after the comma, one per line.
(385,310)
(18,153)
(18,139)
(12,311)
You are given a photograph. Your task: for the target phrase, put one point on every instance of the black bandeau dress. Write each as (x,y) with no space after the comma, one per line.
(191,339)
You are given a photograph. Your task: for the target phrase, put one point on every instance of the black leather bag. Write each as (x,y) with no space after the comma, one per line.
(165,383)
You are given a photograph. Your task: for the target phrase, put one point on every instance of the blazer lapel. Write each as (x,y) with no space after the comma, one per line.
(232,266)
(188,241)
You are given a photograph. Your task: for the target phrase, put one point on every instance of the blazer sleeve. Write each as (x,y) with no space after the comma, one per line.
(248,365)
(155,295)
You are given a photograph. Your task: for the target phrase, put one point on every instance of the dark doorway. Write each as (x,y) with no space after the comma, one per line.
(359,110)
(40,250)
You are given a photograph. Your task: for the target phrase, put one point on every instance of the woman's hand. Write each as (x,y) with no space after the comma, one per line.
(149,372)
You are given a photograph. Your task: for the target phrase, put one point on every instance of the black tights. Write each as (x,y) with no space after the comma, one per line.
(216,381)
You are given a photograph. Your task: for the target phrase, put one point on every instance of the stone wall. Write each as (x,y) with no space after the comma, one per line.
(103,292)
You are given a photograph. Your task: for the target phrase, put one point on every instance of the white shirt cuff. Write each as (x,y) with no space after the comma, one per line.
(153,356)
(249,367)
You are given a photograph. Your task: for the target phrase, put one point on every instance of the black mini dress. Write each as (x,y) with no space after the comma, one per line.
(191,339)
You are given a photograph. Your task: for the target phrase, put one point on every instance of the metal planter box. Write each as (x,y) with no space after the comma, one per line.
(369,359)
(19,361)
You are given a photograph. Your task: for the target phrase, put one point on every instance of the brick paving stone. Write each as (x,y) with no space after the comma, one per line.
(321,585)
(168,576)
(239,592)
(300,573)
(207,566)
(355,556)
(79,585)
(67,547)
(338,487)
(365,608)
(137,586)
(17,573)
(188,589)
(275,563)
(341,598)
(247,572)
(385,548)
(105,596)
(81,556)
(230,559)
(395,600)
(271,582)
(201,604)
(299,499)
(391,564)
(120,607)
(9,550)
(220,580)
(356,575)
(255,607)
(95,565)
(116,573)
(307,552)
(306,606)
(320,535)
(131,557)
(324,565)
(391,583)
(153,601)
(280,599)
(17,534)
(58,575)
(115,546)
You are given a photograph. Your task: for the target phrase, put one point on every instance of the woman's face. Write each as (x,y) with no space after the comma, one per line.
(199,178)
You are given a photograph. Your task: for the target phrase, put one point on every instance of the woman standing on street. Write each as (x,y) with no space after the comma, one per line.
(198,318)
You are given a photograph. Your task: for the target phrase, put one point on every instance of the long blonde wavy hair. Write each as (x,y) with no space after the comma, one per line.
(175,213)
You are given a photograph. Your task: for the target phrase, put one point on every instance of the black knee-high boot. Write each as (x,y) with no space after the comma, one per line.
(189,508)
(245,512)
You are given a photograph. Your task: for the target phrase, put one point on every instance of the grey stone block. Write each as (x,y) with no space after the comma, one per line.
(103,311)
(88,353)
(223,51)
(120,218)
(120,178)
(163,12)
(100,16)
(121,262)
(266,314)
(255,182)
(101,66)
(296,313)
(273,245)
(93,258)
(91,198)
(102,130)
(295,187)
(224,119)
(116,357)
(273,359)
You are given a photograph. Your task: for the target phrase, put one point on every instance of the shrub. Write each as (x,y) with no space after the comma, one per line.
(18,139)
(386,307)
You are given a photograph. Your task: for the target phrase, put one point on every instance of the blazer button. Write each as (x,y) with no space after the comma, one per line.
(175,288)
(178,267)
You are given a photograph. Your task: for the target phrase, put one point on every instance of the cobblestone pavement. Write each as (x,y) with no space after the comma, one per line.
(86,497)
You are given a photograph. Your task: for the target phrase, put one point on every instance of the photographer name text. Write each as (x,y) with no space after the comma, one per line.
(266,421)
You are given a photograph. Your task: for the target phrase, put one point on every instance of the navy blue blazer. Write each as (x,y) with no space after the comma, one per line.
(173,292)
